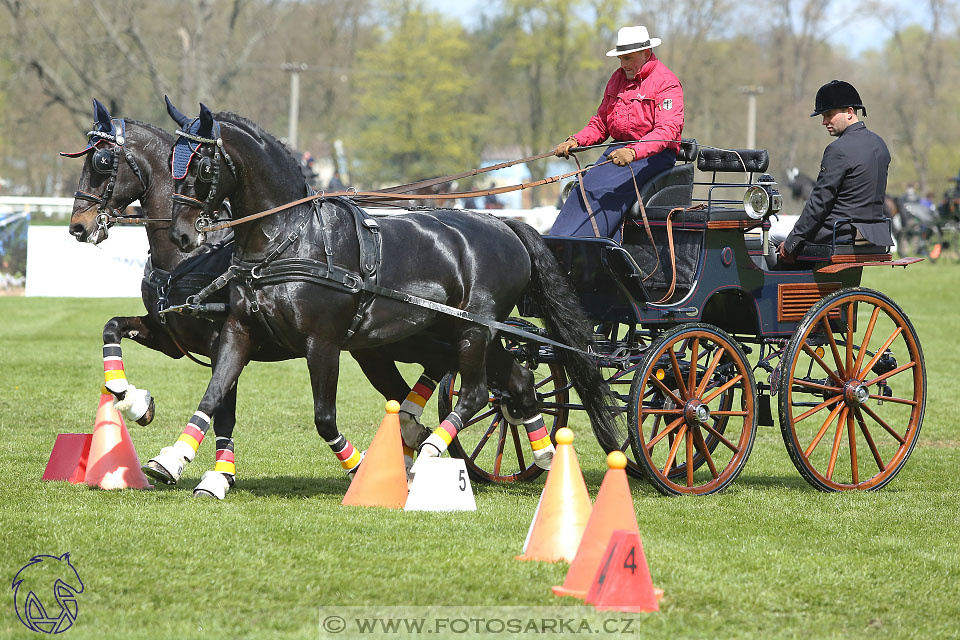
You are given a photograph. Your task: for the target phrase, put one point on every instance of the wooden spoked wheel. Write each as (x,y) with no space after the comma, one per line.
(493,449)
(692,415)
(852,391)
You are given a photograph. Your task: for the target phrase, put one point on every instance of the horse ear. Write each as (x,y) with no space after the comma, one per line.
(178,117)
(206,122)
(65,556)
(101,116)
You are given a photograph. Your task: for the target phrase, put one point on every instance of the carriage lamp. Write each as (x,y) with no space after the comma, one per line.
(776,201)
(661,374)
(819,351)
(756,202)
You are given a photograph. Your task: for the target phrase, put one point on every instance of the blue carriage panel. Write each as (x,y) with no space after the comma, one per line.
(603,275)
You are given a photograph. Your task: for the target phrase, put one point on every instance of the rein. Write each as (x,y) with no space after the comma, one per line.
(386,196)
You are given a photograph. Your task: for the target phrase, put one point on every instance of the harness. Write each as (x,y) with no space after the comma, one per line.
(106,161)
(276,270)
(207,171)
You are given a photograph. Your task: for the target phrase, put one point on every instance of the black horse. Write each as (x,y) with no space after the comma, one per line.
(299,284)
(125,161)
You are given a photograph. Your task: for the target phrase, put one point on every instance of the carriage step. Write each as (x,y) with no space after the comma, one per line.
(764,415)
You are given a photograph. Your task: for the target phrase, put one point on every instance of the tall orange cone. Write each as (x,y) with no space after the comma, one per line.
(113,462)
(613,510)
(381,480)
(564,508)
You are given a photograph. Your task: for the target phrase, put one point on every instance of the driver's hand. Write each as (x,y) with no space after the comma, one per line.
(563,149)
(623,157)
(786,257)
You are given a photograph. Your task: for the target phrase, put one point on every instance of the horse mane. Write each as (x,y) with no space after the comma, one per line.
(159,131)
(256,130)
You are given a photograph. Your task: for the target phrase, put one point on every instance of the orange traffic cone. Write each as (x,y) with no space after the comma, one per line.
(564,508)
(623,581)
(381,480)
(113,462)
(613,510)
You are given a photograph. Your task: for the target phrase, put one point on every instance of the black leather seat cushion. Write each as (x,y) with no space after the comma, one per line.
(811,251)
(734,160)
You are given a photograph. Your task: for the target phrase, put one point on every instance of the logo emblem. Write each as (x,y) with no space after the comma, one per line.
(45,593)
(667,104)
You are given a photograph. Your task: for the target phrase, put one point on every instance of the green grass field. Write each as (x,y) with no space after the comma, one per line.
(770,557)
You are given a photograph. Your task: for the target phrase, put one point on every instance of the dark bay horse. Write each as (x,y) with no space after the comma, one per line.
(125,161)
(472,262)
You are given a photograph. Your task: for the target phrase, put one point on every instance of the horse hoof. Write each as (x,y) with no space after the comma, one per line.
(158,473)
(213,484)
(147,417)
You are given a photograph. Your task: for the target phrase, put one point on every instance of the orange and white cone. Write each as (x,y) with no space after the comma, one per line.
(381,480)
(612,510)
(113,461)
(564,508)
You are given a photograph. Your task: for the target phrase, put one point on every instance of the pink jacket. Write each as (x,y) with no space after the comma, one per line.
(648,107)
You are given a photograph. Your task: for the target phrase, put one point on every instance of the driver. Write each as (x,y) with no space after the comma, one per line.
(643,101)
(852,180)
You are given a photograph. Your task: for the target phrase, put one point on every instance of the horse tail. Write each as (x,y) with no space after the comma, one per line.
(567,322)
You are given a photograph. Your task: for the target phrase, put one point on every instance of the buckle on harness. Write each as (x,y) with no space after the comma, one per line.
(353,282)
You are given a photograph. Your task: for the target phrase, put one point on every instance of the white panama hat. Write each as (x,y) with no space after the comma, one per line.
(630,39)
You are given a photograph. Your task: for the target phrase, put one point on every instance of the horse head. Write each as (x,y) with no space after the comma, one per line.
(203,174)
(116,173)
(211,155)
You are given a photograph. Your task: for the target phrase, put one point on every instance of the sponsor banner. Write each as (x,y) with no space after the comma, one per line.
(59,266)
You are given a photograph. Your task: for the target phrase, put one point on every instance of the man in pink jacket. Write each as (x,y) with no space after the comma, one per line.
(643,101)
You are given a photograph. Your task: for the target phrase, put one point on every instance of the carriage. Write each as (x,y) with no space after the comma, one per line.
(695,328)
(700,335)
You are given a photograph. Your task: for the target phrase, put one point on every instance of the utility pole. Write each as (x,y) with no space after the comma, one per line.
(294,69)
(752,92)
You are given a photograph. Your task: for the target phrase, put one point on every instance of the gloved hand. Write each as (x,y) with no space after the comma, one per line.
(563,149)
(623,157)
(784,256)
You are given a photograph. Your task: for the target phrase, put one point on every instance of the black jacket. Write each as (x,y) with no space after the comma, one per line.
(851,184)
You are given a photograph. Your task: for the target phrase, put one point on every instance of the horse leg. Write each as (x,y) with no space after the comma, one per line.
(216,483)
(232,356)
(385,378)
(136,405)
(323,360)
(472,348)
(522,408)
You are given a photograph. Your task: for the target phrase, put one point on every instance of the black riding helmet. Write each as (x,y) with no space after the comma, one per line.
(837,94)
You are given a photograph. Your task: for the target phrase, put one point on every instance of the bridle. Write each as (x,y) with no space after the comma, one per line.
(106,161)
(208,171)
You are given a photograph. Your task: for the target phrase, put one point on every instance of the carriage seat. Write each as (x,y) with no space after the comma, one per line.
(844,251)
(734,160)
(671,188)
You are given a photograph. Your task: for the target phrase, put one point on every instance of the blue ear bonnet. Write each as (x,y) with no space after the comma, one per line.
(93,140)
(184,150)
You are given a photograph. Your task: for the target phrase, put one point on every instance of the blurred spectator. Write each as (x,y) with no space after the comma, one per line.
(335,184)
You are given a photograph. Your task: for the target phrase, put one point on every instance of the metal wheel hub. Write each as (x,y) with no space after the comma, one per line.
(855,393)
(696,413)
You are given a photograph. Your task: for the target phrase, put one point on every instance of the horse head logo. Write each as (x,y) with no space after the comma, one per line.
(45,593)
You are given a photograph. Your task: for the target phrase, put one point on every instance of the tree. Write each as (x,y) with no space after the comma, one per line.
(916,79)
(416,115)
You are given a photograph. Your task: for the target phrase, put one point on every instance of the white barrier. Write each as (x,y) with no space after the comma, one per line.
(58,265)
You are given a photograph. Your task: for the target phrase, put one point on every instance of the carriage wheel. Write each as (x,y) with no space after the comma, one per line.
(853,388)
(493,449)
(692,427)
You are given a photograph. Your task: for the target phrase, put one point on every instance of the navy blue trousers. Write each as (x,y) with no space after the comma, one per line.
(610,192)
